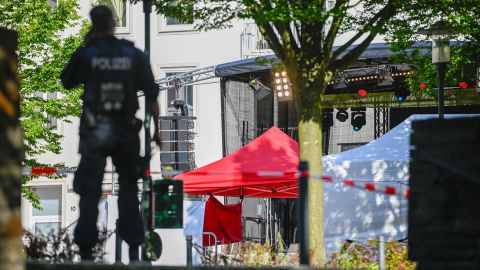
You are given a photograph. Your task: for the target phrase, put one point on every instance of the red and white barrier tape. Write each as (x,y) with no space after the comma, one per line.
(370,186)
(366,185)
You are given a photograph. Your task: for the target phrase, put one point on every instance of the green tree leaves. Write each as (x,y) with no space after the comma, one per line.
(45,46)
(461,19)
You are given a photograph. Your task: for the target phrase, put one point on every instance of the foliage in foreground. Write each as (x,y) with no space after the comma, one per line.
(460,20)
(364,255)
(59,247)
(44,49)
(353,255)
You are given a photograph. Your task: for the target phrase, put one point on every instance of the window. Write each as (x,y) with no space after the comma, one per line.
(46,227)
(52,3)
(52,120)
(350,146)
(185,93)
(172,21)
(50,201)
(172,24)
(47,219)
(120,13)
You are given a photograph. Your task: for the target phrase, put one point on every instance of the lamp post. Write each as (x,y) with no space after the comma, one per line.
(441,58)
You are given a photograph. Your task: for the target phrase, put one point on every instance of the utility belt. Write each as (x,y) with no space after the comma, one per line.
(110,118)
(91,120)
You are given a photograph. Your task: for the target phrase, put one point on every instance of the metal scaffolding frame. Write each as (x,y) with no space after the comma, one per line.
(186,78)
(373,100)
(381,118)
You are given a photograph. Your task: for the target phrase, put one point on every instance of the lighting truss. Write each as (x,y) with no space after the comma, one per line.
(453,97)
(383,75)
(186,78)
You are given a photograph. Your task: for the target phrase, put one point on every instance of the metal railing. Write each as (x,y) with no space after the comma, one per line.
(252,42)
(290,131)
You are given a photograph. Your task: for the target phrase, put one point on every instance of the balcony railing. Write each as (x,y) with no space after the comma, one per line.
(252,42)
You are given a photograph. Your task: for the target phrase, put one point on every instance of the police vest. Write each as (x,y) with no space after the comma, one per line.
(111,85)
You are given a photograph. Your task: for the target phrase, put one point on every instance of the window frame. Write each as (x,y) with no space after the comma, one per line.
(178,69)
(60,219)
(46,220)
(163,27)
(53,122)
(122,30)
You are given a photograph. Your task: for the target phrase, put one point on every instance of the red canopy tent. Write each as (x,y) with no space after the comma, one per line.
(264,168)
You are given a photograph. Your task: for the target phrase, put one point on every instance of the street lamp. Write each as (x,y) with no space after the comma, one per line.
(440,57)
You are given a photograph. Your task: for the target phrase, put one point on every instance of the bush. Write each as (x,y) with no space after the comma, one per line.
(364,255)
(250,253)
(59,247)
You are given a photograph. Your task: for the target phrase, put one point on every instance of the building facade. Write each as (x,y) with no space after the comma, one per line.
(176,48)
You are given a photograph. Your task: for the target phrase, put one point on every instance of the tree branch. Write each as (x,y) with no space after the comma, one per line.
(335,26)
(288,39)
(385,14)
(356,4)
(338,65)
(380,17)
(272,39)
(265,27)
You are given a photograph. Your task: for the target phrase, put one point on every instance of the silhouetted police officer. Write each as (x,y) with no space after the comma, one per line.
(111,72)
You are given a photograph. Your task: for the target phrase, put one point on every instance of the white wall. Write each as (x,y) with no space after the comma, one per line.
(183,50)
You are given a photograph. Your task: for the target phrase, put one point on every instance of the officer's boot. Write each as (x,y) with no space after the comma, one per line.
(133,254)
(86,254)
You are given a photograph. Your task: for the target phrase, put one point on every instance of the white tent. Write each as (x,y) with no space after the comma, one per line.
(355,214)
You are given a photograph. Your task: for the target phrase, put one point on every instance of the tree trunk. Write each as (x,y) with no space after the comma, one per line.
(310,142)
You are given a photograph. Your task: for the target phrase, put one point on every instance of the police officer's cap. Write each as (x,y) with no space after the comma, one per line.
(102,17)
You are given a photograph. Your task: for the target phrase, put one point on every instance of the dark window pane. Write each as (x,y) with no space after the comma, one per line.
(349,146)
(170,97)
(173,21)
(189,99)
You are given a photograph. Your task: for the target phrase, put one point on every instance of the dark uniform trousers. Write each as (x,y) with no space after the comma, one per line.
(121,142)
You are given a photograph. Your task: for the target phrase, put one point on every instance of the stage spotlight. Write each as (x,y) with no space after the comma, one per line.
(358,118)
(256,85)
(282,85)
(327,118)
(260,90)
(401,93)
(342,115)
